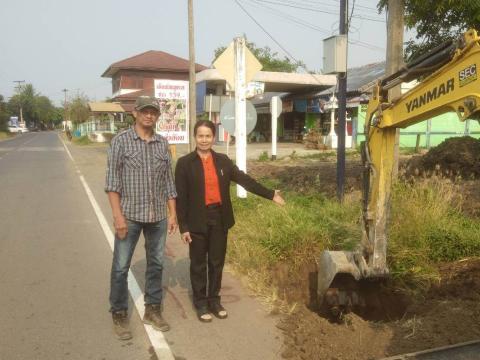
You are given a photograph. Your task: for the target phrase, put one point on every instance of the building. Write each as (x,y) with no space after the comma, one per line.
(212,93)
(135,75)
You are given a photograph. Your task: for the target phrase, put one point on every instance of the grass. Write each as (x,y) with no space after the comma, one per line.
(6,135)
(263,156)
(82,140)
(426,227)
(267,235)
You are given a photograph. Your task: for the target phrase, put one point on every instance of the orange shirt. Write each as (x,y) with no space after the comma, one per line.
(212,189)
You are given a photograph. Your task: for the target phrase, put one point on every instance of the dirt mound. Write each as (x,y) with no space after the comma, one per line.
(453,157)
(306,178)
(449,313)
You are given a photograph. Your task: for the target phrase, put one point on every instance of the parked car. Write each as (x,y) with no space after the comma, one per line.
(17,129)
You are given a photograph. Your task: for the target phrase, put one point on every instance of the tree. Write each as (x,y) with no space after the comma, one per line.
(37,109)
(269,59)
(25,99)
(78,109)
(44,110)
(4,114)
(436,21)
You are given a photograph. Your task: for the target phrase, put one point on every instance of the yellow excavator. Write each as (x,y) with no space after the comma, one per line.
(449,82)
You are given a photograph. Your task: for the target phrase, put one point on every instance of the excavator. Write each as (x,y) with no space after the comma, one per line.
(447,81)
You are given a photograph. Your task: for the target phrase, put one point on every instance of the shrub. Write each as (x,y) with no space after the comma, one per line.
(263,156)
(82,140)
(108,137)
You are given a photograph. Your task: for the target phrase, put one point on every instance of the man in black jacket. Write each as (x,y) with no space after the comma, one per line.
(204,211)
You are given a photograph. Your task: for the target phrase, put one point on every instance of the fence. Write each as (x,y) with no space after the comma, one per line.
(96,128)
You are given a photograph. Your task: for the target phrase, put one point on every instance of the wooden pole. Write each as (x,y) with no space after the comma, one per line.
(192,117)
(395,25)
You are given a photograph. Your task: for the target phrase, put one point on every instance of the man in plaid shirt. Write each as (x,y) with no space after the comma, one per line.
(140,186)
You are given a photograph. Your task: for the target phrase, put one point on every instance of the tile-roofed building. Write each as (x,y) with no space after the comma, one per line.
(135,75)
(152,61)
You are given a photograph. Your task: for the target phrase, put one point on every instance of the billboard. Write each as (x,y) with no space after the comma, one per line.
(173,98)
(13,121)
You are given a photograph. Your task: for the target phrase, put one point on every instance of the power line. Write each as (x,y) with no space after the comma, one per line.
(299,63)
(292,18)
(364,7)
(367,10)
(302,7)
(310,26)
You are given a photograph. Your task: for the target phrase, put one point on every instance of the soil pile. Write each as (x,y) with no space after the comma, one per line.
(310,177)
(449,313)
(454,157)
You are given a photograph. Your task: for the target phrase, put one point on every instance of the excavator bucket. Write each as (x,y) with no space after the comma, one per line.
(338,276)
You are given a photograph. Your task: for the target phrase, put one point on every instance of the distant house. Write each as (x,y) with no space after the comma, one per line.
(135,75)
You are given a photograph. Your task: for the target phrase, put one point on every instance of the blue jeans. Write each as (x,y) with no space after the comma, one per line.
(155,235)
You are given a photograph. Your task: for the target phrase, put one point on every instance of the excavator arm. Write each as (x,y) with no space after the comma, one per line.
(451,85)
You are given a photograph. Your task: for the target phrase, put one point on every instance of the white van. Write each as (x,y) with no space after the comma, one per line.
(17,129)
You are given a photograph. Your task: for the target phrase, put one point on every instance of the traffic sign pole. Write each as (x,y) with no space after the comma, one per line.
(275,109)
(240,111)
(244,68)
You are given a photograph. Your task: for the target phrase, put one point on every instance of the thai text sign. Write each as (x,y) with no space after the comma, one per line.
(173,98)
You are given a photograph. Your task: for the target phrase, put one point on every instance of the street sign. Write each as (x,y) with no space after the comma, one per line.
(225,64)
(227,117)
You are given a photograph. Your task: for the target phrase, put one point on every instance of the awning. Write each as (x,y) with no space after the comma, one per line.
(105,107)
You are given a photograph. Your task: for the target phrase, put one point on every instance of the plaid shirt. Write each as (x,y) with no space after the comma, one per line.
(141,173)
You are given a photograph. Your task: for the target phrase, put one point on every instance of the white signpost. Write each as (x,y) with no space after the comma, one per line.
(238,73)
(276,110)
(332,139)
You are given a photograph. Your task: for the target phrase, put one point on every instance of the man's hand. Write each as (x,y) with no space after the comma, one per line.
(186,238)
(172,224)
(120,225)
(277,199)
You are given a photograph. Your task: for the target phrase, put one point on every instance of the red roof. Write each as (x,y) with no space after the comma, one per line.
(152,61)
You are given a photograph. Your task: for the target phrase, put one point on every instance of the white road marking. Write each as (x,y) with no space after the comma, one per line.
(42,148)
(68,152)
(158,341)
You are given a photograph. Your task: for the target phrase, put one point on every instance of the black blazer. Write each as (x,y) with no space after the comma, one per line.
(190,183)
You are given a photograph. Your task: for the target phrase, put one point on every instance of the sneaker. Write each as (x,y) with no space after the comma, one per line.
(153,316)
(120,325)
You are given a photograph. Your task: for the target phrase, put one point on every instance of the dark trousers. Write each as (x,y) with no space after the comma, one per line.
(207,257)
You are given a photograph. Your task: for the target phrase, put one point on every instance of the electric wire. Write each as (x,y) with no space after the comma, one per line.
(310,26)
(302,7)
(276,42)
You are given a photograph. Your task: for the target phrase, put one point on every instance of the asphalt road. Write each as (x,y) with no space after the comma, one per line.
(56,259)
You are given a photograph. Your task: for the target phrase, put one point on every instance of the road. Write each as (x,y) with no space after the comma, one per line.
(55,254)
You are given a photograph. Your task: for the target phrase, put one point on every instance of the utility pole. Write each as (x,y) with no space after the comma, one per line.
(65,108)
(21,105)
(342,108)
(192,113)
(395,27)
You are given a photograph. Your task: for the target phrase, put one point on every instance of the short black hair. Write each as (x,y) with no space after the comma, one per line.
(206,123)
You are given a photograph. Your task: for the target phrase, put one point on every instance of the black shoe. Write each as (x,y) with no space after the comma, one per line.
(120,325)
(153,316)
(203,315)
(218,310)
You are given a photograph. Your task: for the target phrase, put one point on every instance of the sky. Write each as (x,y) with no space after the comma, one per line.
(64,44)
